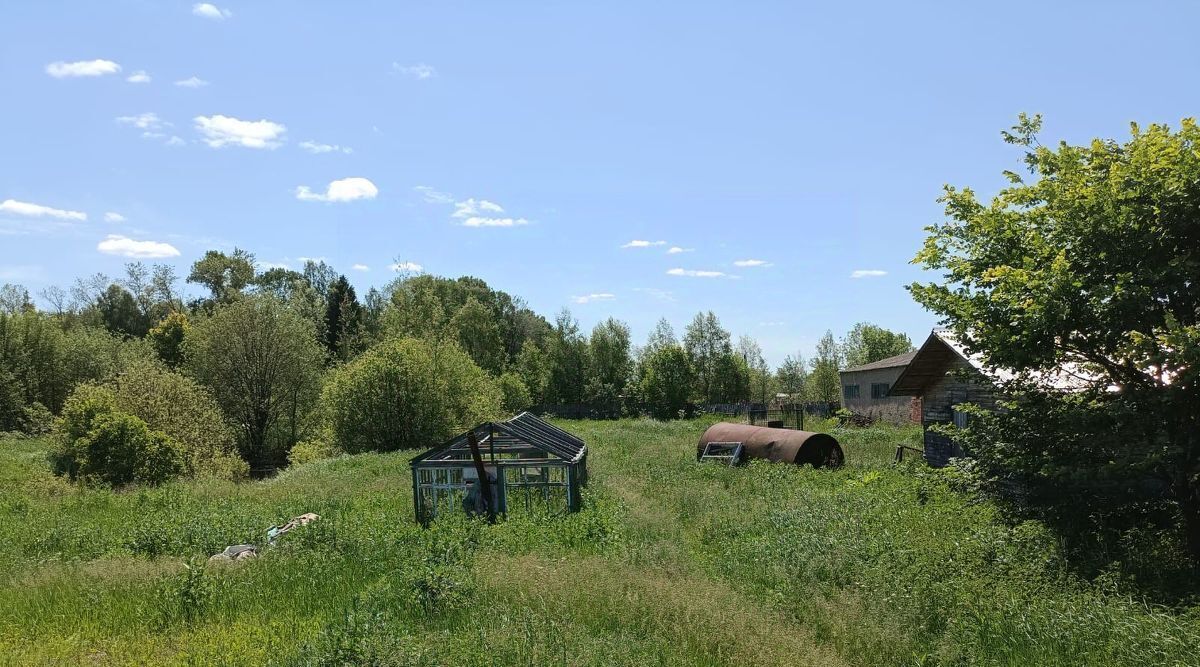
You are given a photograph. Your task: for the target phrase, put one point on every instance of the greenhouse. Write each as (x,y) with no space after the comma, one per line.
(496,469)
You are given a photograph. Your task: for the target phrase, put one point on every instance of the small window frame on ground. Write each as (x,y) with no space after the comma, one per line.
(727,453)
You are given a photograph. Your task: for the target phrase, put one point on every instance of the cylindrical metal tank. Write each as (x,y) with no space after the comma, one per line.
(777,444)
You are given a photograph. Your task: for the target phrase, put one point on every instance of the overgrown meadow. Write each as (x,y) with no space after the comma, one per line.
(671,562)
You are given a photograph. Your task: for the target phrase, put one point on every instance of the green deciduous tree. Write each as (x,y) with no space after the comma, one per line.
(263,364)
(406,393)
(225,276)
(609,367)
(824,383)
(1088,264)
(707,346)
(792,376)
(867,342)
(666,381)
(167,338)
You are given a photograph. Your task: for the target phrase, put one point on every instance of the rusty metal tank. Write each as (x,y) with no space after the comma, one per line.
(777,444)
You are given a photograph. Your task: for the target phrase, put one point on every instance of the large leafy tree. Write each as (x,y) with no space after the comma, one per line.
(666,381)
(609,366)
(867,342)
(263,364)
(824,383)
(707,345)
(1086,269)
(792,376)
(225,276)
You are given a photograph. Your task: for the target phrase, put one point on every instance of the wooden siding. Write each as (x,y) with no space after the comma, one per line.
(962,383)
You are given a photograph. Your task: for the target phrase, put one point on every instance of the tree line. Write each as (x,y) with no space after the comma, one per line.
(267,353)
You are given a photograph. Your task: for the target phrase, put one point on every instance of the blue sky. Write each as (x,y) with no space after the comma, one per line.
(528,143)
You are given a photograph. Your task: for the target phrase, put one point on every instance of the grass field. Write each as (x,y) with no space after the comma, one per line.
(670,563)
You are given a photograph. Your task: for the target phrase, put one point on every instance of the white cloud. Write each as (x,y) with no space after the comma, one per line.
(318,148)
(433,196)
(868,273)
(409,267)
(61,70)
(675,250)
(139,76)
(346,189)
(191,82)
(175,141)
(481,221)
(113,216)
(419,71)
(361,267)
(752,262)
(692,273)
(588,298)
(638,243)
(127,247)
(316,260)
(210,11)
(220,130)
(271,265)
(38,211)
(143,121)
(471,208)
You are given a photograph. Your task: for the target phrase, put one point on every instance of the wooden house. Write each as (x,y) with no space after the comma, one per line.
(941,374)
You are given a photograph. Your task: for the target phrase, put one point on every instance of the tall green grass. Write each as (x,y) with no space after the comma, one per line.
(671,562)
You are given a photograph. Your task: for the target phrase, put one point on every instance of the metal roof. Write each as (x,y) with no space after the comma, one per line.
(523,429)
(890,362)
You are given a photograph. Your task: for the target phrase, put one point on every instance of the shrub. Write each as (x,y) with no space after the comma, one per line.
(407,393)
(120,449)
(36,419)
(514,395)
(315,449)
(180,407)
(166,402)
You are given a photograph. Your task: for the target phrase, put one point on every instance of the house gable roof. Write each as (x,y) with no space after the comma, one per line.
(890,362)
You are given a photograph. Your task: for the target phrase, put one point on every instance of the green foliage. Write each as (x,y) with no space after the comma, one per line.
(477,333)
(609,367)
(119,449)
(316,449)
(566,356)
(120,312)
(167,338)
(407,393)
(514,396)
(666,381)
(183,409)
(262,363)
(824,383)
(792,377)
(1090,265)
(708,347)
(533,367)
(225,276)
(867,342)
(343,321)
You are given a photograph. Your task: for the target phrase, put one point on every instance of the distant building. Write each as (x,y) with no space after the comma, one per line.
(942,374)
(866,389)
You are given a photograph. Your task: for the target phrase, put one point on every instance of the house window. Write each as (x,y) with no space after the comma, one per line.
(879,389)
(850,391)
